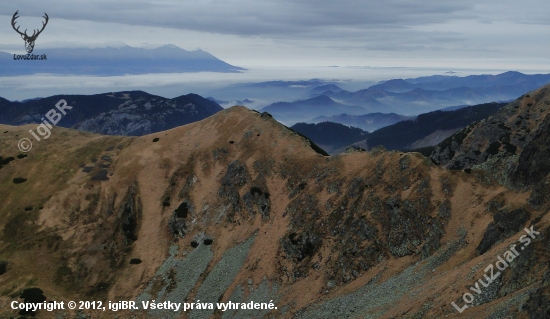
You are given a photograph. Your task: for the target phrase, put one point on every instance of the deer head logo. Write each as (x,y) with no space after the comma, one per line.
(29,40)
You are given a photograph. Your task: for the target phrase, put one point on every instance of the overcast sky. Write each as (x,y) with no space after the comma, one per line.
(498,34)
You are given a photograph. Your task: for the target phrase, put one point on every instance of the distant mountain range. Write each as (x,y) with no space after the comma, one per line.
(430,128)
(285,100)
(444,82)
(304,84)
(236,102)
(510,78)
(420,100)
(414,96)
(112,61)
(330,136)
(368,122)
(423,131)
(120,113)
(303,110)
(324,89)
(266,93)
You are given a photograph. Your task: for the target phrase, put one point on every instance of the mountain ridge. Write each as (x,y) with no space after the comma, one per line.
(424,130)
(424,94)
(239,208)
(368,122)
(115,113)
(304,109)
(113,61)
(330,136)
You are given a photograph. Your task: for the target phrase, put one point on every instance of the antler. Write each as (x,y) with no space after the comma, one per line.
(43,25)
(36,32)
(13,24)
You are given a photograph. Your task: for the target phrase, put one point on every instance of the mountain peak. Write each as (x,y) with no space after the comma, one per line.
(322,99)
(170,46)
(115,61)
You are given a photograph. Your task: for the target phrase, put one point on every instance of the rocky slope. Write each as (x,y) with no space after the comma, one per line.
(511,144)
(239,208)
